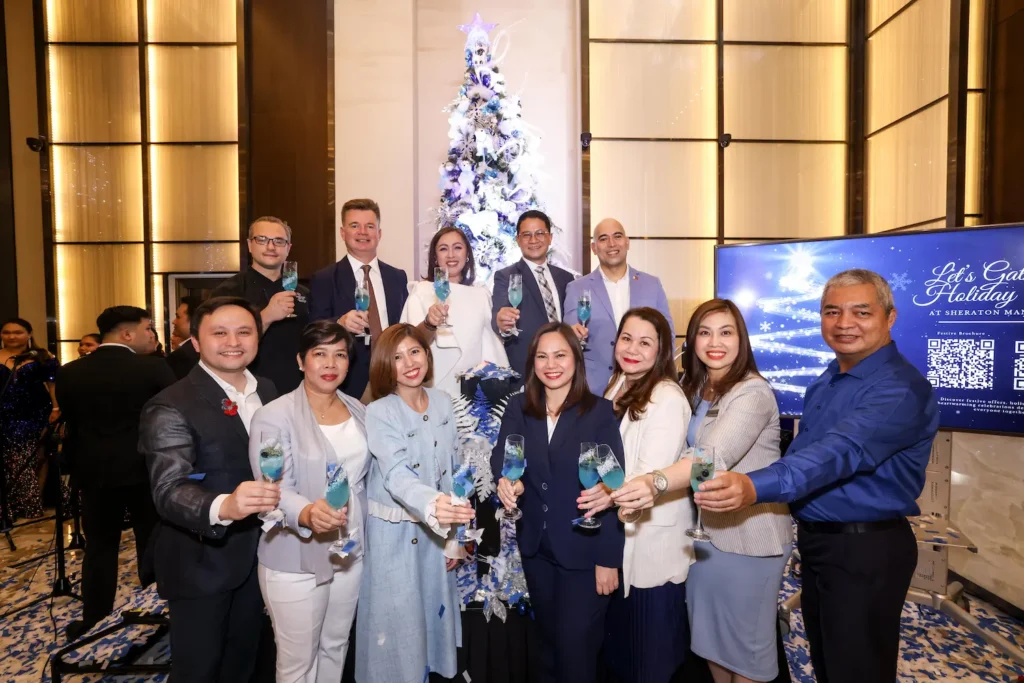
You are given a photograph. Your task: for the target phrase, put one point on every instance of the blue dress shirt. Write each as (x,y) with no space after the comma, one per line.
(864,443)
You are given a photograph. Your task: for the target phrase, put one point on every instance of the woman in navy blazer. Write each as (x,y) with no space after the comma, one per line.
(571,572)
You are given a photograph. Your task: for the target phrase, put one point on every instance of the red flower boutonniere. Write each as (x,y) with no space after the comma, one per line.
(229,407)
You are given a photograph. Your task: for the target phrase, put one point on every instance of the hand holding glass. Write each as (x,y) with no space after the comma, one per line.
(363,305)
(589,477)
(463,485)
(271,467)
(515,295)
(442,290)
(290,281)
(337,495)
(702,469)
(513,467)
(583,312)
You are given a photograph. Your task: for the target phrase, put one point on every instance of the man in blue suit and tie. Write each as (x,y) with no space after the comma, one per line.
(614,289)
(543,289)
(333,290)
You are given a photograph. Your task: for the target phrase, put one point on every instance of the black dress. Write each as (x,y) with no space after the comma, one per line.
(24,413)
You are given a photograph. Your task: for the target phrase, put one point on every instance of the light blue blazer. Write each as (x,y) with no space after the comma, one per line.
(644,290)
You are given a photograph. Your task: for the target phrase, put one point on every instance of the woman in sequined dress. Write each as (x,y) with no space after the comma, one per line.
(25,409)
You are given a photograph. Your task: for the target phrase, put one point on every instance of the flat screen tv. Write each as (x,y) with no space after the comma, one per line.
(960,313)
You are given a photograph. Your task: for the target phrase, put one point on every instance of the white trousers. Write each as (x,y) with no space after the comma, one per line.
(311,622)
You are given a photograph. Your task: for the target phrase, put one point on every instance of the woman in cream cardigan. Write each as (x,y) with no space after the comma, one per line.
(310,593)
(470,338)
(647,626)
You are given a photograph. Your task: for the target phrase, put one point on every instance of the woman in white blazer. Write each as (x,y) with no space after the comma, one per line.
(647,626)
(470,338)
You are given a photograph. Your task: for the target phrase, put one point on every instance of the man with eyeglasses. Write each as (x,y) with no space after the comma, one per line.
(543,289)
(614,287)
(270,241)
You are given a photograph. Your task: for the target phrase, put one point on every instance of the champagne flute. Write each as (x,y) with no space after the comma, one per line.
(583,312)
(363,305)
(515,295)
(702,469)
(589,477)
(513,467)
(290,281)
(337,496)
(271,467)
(442,289)
(463,485)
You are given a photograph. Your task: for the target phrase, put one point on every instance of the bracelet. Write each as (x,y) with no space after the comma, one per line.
(430,328)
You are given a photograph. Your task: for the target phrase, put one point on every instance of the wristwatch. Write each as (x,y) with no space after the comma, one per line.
(660,482)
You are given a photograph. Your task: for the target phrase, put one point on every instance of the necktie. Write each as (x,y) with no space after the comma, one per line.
(374,316)
(549,298)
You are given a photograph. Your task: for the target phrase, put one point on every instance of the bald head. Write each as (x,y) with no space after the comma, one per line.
(608,226)
(610,244)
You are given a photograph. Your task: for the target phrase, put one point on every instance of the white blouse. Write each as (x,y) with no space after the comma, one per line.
(351,452)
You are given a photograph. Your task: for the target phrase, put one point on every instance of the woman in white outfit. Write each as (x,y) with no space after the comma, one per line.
(311,593)
(470,338)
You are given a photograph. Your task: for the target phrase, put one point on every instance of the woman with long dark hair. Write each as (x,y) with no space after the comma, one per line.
(733,587)
(571,571)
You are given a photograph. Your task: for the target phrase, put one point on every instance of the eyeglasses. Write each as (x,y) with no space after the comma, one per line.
(262,240)
(540,234)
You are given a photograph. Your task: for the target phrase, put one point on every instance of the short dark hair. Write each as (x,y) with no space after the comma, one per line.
(324,332)
(114,317)
(579,394)
(383,381)
(191,303)
(272,219)
(695,373)
(533,213)
(468,272)
(210,305)
(360,205)
(92,335)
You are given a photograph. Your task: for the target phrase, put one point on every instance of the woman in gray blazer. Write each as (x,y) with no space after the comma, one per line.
(311,593)
(732,588)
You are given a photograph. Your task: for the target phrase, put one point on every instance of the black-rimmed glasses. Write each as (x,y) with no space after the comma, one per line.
(263,240)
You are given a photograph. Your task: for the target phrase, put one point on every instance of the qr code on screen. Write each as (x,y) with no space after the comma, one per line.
(961,363)
(1018,367)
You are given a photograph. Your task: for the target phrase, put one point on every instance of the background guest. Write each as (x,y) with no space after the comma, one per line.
(409,622)
(28,404)
(185,357)
(615,288)
(470,339)
(270,241)
(310,593)
(88,343)
(543,290)
(182,321)
(648,634)
(102,396)
(571,573)
(334,287)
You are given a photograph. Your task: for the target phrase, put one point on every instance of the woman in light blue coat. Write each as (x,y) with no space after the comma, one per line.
(409,620)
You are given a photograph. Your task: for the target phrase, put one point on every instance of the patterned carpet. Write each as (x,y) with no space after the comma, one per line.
(934,648)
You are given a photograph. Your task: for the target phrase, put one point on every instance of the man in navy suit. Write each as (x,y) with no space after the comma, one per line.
(543,289)
(332,290)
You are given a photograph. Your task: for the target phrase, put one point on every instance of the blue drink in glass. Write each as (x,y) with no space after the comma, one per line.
(272,469)
(337,496)
(362,296)
(463,485)
(515,295)
(513,467)
(583,310)
(442,290)
(701,469)
(290,280)
(589,477)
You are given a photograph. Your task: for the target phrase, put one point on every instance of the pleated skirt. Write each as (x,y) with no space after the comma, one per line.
(647,634)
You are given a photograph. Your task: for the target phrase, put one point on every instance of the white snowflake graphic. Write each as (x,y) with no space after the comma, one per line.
(900,281)
(766,326)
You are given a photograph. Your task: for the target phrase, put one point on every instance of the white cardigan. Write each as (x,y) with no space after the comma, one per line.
(657,550)
(470,339)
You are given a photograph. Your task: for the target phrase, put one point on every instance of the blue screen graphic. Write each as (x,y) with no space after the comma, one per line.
(960,314)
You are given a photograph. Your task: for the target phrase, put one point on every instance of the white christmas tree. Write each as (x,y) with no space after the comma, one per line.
(491,174)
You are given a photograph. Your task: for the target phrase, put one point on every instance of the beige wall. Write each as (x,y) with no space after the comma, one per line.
(28,212)
(404,64)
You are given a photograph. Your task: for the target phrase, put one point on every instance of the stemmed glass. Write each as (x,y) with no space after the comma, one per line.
(463,485)
(515,295)
(337,495)
(442,289)
(589,477)
(702,469)
(512,467)
(363,305)
(271,467)
(583,312)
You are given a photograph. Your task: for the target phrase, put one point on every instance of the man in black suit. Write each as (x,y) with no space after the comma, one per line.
(185,357)
(543,289)
(333,289)
(101,396)
(195,437)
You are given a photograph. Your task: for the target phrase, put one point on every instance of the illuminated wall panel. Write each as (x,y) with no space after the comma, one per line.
(77,74)
(194,192)
(93,277)
(97,193)
(686,269)
(977,45)
(193,94)
(191,21)
(210,257)
(975,155)
(798,21)
(83,21)
(158,308)
(677,20)
(878,11)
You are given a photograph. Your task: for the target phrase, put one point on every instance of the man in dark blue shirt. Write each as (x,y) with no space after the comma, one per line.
(851,476)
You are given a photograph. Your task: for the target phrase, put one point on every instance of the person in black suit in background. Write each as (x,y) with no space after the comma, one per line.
(332,290)
(102,396)
(195,436)
(185,357)
(543,289)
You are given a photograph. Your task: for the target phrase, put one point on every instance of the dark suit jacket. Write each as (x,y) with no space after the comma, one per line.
(553,485)
(333,294)
(183,359)
(531,310)
(195,452)
(101,397)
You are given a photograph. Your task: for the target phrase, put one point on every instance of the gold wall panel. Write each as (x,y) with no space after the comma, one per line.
(159,319)
(798,21)
(931,225)
(971,221)
(908,63)
(93,277)
(977,45)
(661,20)
(97,193)
(975,155)
(194,192)
(652,90)
(211,257)
(85,21)
(880,10)
(686,269)
(193,94)
(94,94)
(655,189)
(785,191)
(785,93)
(67,352)
(906,171)
(191,21)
